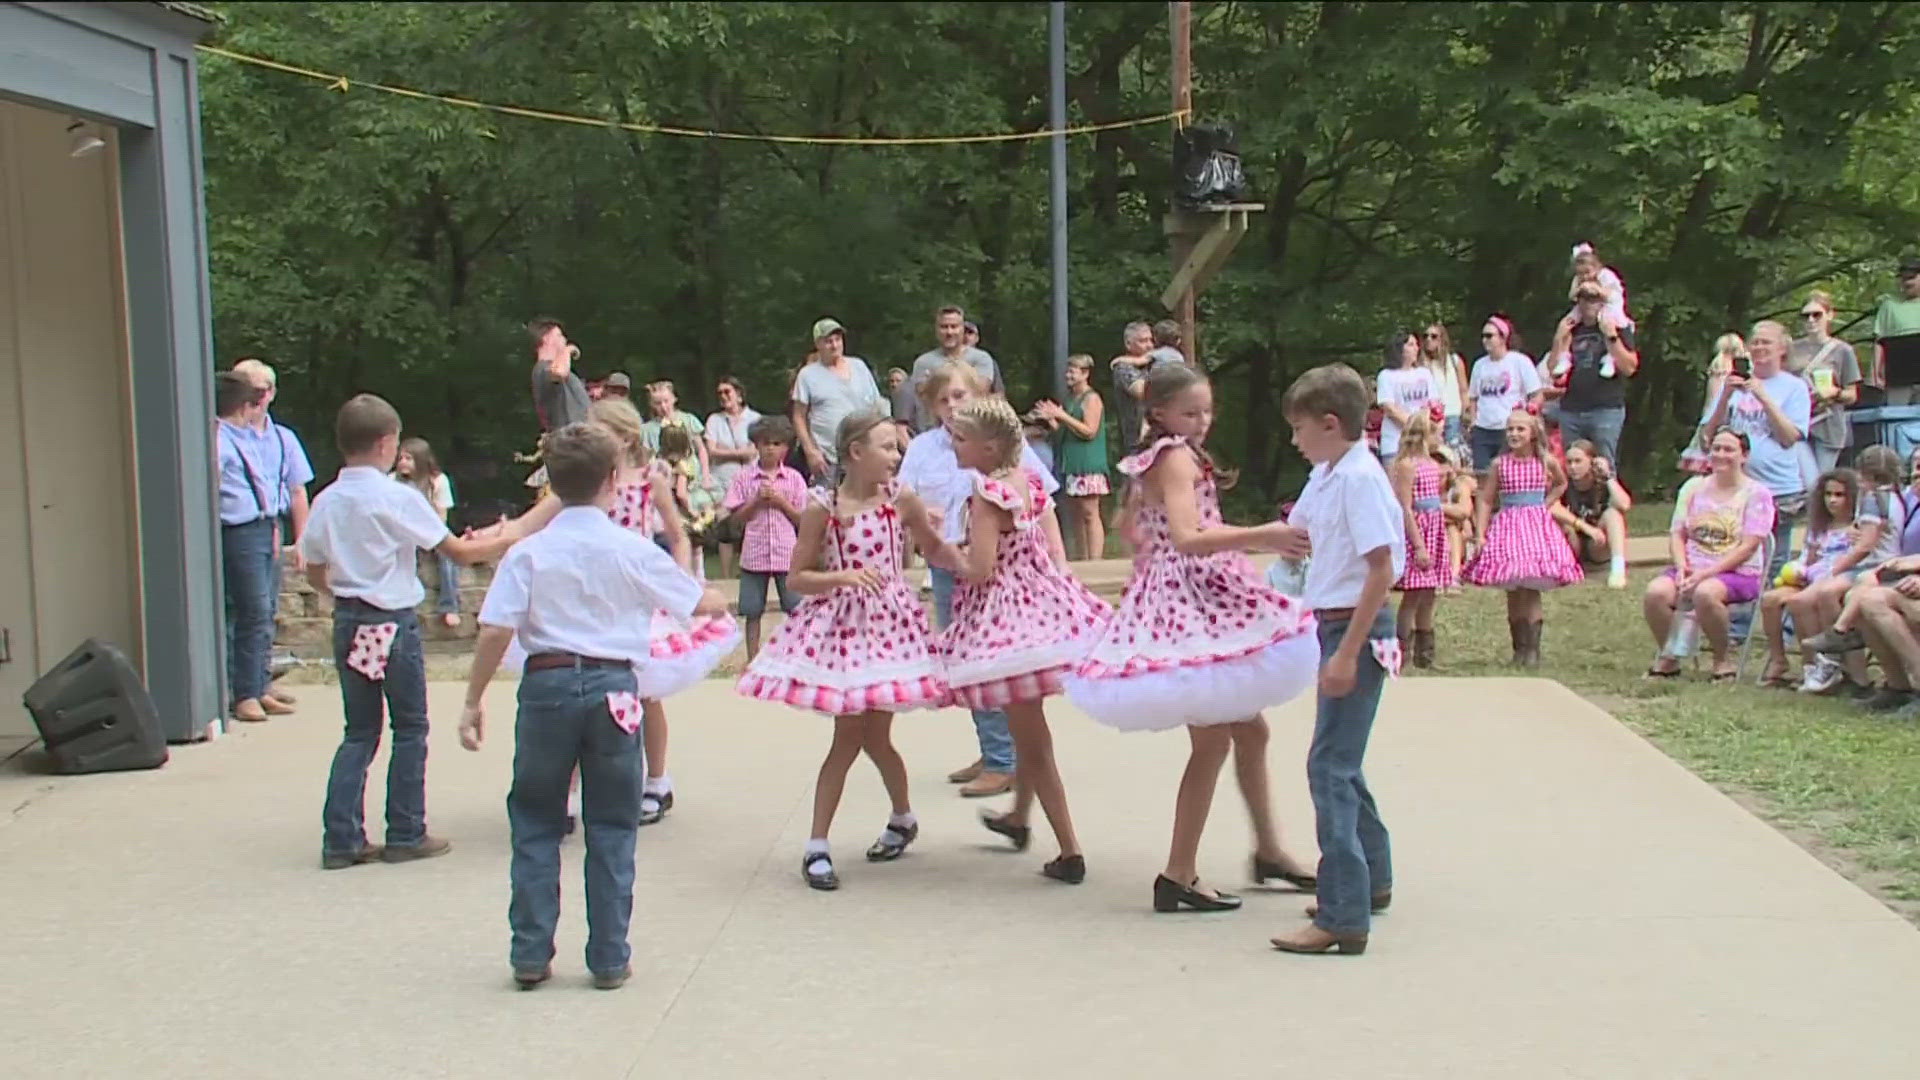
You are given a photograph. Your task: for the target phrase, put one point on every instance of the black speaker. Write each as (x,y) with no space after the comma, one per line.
(94,713)
(1206,166)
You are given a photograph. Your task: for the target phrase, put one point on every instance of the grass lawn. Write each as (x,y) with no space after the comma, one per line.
(1841,781)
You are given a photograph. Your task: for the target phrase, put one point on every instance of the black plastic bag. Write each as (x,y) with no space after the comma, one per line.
(1206,166)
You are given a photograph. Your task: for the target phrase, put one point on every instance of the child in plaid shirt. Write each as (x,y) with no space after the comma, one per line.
(764,501)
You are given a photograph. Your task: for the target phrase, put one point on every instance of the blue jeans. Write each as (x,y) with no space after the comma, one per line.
(404,696)
(1601,427)
(564,725)
(449,585)
(989,725)
(1486,444)
(1355,861)
(248,570)
(1782,542)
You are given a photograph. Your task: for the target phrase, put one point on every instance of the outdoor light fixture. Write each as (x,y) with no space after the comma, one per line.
(81,141)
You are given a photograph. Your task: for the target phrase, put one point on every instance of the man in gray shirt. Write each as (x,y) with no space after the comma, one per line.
(950,324)
(559,397)
(826,392)
(1148,348)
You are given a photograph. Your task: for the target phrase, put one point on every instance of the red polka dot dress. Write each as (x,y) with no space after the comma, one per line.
(853,650)
(1197,639)
(1524,548)
(1015,636)
(1429,513)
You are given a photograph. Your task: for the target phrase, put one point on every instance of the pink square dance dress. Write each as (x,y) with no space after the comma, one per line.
(1524,548)
(1197,639)
(852,650)
(1429,513)
(1014,636)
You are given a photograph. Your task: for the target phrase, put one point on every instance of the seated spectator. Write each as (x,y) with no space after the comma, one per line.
(1719,523)
(1829,551)
(1878,526)
(1593,513)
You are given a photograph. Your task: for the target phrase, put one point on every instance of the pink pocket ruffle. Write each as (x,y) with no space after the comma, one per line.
(371,645)
(625,710)
(1387,651)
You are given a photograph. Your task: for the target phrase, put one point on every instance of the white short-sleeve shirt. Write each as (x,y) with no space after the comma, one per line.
(365,529)
(1348,509)
(586,586)
(931,471)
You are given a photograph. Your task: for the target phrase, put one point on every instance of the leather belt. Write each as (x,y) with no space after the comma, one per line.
(552,661)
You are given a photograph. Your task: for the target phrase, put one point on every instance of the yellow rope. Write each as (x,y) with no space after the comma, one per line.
(342,84)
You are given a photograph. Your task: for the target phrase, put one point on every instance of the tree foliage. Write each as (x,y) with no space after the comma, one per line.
(1418,161)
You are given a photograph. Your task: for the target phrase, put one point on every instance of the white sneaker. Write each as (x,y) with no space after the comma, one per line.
(1821,676)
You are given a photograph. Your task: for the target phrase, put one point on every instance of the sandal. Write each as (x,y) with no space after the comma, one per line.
(1723,676)
(893,842)
(653,806)
(1019,834)
(826,880)
(1658,673)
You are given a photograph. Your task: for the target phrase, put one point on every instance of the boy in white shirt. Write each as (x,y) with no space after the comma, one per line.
(580,595)
(1358,535)
(359,545)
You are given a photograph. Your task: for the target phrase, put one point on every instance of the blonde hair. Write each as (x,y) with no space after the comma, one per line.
(620,417)
(1823,298)
(1417,437)
(1080,360)
(256,369)
(992,419)
(1539,429)
(853,429)
(1726,348)
(1879,465)
(935,382)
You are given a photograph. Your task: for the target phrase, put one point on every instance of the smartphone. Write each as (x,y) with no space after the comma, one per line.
(1743,367)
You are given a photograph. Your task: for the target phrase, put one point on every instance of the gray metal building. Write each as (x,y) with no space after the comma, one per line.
(107,527)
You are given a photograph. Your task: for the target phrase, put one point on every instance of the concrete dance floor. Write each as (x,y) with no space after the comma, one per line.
(1569,903)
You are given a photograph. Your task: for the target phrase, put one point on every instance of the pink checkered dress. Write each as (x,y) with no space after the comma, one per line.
(1016,634)
(1524,549)
(853,650)
(1432,519)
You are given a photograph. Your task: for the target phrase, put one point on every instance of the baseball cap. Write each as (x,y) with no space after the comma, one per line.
(1910,264)
(619,379)
(824,327)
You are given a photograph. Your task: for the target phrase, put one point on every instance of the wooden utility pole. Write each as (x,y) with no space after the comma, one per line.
(1202,236)
(1180,14)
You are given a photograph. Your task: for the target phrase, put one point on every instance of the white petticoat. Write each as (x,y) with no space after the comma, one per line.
(1216,693)
(692,655)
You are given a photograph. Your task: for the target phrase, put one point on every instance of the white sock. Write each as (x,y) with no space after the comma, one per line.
(819,856)
(657,785)
(1618,564)
(898,825)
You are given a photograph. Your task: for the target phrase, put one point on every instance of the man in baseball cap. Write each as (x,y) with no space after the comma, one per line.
(828,390)
(618,385)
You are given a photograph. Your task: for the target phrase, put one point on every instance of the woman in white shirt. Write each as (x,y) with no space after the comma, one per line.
(1404,388)
(729,449)
(1450,375)
(1503,380)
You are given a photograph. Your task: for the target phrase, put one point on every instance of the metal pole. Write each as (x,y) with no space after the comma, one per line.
(1057,118)
(1180,29)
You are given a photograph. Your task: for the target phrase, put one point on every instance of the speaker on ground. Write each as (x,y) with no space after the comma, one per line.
(94,713)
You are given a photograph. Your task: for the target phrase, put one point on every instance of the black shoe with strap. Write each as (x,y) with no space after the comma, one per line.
(1019,834)
(1169,896)
(825,880)
(893,842)
(1071,869)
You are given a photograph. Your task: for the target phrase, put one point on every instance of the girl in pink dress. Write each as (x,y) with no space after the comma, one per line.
(1020,620)
(858,650)
(1199,639)
(683,652)
(1524,551)
(1416,480)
